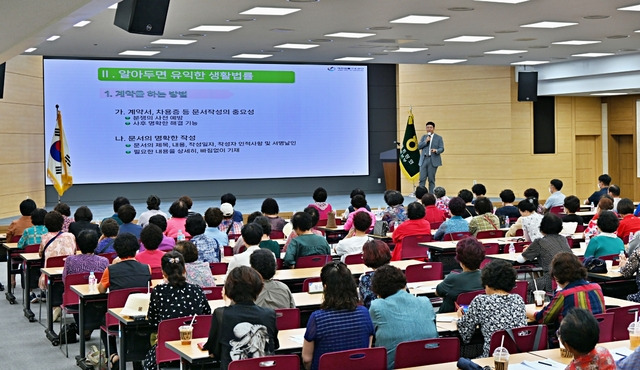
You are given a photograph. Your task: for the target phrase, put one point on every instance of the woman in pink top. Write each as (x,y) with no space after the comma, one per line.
(179,211)
(55,242)
(359,203)
(320,198)
(151,237)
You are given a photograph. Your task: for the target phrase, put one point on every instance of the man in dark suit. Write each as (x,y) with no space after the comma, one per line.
(432,146)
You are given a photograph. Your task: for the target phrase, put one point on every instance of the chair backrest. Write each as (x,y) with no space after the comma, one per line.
(580,228)
(69,297)
(623,316)
(519,246)
(557,210)
(487,234)
(168,330)
(110,256)
(491,248)
(354,259)
(278,362)
(427,352)
(287,318)
(234,236)
(306,282)
(228,250)
(317,260)
(32,248)
(411,249)
(15,238)
(521,289)
(212,292)
(435,225)
(365,358)
(527,338)
(611,257)
(156,272)
(424,272)
(519,232)
(56,261)
(467,297)
(279,263)
(605,321)
(275,234)
(456,236)
(218,268)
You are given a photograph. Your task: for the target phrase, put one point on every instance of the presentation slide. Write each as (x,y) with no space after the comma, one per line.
(133,121)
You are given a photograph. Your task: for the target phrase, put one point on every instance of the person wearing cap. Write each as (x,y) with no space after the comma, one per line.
(432,146)
(228,224)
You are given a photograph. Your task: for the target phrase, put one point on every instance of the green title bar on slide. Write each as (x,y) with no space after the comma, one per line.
(194,75)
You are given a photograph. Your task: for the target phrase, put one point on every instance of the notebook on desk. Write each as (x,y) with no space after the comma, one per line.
(137,305)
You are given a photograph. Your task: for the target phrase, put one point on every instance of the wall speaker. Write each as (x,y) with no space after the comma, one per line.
(2,69)
(145,17)
(527,86)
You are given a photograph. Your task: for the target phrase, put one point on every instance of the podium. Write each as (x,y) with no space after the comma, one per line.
(391,169)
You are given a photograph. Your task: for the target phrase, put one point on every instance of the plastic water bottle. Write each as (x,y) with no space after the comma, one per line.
(506,222)
(593,207)
(93,282)
(512,249)
(180,236)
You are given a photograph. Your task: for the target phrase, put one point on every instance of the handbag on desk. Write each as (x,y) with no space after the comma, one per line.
(594,264)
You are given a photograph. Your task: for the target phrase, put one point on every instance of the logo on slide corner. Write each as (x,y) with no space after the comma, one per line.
(331,69)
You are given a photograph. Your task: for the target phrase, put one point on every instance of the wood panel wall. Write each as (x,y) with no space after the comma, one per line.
(21,135)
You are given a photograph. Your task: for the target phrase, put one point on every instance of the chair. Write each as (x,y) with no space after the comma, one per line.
(156,273)
(519,232)
(605,321)
(365,358)
(317,260)
(466,297)
(525,339)
(15,238)
(56,261)
(611,257)
(412,250)
(71,301)
(234,236)
(276,234)
(557,210)
(218,268)
(487,234)
(228,251)
(212,292)
(277,362)
(623,316)
(521,289)
(456,236)
(279,263)
(491,248)
(168,330)
(116,299)
(436,225)
(427,352)
(287,318)
(353,259)
(306,282)
(110,256)
(424,272)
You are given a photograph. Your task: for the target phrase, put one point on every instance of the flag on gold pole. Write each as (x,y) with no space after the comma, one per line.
(409,153)
(59,163)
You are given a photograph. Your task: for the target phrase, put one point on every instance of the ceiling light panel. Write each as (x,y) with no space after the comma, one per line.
(214,28)
(631,8)
(419,19)
(504,1)
(140,53)
(469,38)
(505,52)
(260,10)
(549,24)
(53,38)
(407,50)
(296,46)
(577,42)
(30,50)
(529,62)
(353,59)
(81,24)
(447,61)
(350,35)
(174,41)
(252,56)
(592,55)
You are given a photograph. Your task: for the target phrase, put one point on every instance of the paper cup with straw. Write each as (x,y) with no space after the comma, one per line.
(634,333)
(501,357)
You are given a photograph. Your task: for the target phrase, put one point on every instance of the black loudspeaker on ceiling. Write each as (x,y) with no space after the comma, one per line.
(527,86)
(146,17)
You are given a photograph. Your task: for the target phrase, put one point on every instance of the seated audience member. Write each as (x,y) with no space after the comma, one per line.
(442,200)
(358,202)
(614,192)
(197,272)
(532,193)
(579,332)
(556,198)
(415,225)
(83,217)
(251,234)
(605,204)
(168,242)
(117,203)
(65,211)
(529,220)
(55,242)
(571,206)
(631,362)
(544,249)
(213,217)
(469,254)
(340,323)
(109,228)
(189,203)
(357,236)
(394,315)
(420,192)
(375,253)
(229,225)
(179,212)
(574,291)
(478,191)
(231,199)
(485,220)
(354,192)
(431,212)
(176,298)
(306,243)
(240,245)
(508,209)
(153,208)
(629,223)
(33,234)
(467,196)
(603,183)
(208,249)
(630,267)
(275,294)
(265,241)
(456,224)
(270,209)
(320,203)
(243,329)
(394,214)
(315,216)
(17,226)
(606,243)
(126,214)
(151,237)
(497,309)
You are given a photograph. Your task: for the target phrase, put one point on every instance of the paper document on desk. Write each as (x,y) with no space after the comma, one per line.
(297,338)
(620,353)
(442,318)
(546,364)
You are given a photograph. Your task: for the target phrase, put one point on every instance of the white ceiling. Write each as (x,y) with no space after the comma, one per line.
(27,23)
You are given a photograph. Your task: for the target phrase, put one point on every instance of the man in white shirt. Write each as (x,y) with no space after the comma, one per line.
(614,192)
(556,198)
(352,243)
(251,234)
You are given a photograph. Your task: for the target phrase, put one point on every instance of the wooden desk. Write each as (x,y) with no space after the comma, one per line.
(11,251)
(613,274)
(127,327)
(579,252)
(608,302)
(554,354)
(54,276)
(31,261)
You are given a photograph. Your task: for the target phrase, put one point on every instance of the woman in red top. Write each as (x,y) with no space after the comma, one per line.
(415,225)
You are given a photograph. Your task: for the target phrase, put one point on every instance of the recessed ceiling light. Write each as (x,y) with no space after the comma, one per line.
(303,1)
(174,41)
(252,56)
(460,9)
(263,10)
(30,50)
(113,6)
(549,24)
(192,35)
(81,24)
(350,35)
(214,28)
(507,31)
(504,1)
(238,20)
(419,19)
(407,50)
(447,61)
(433,45)
(595,17)
(539,47)
(576,42)
(529,62)
(632,8)
(53,38)
(475,56)
(296,46)
(281,30)
(379,28)
(525,39)
(320,40)
(505,52)
(156,47)
(271,51)
(469,38)
(617,37)
(592,55)
(353,59)
(141,53)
